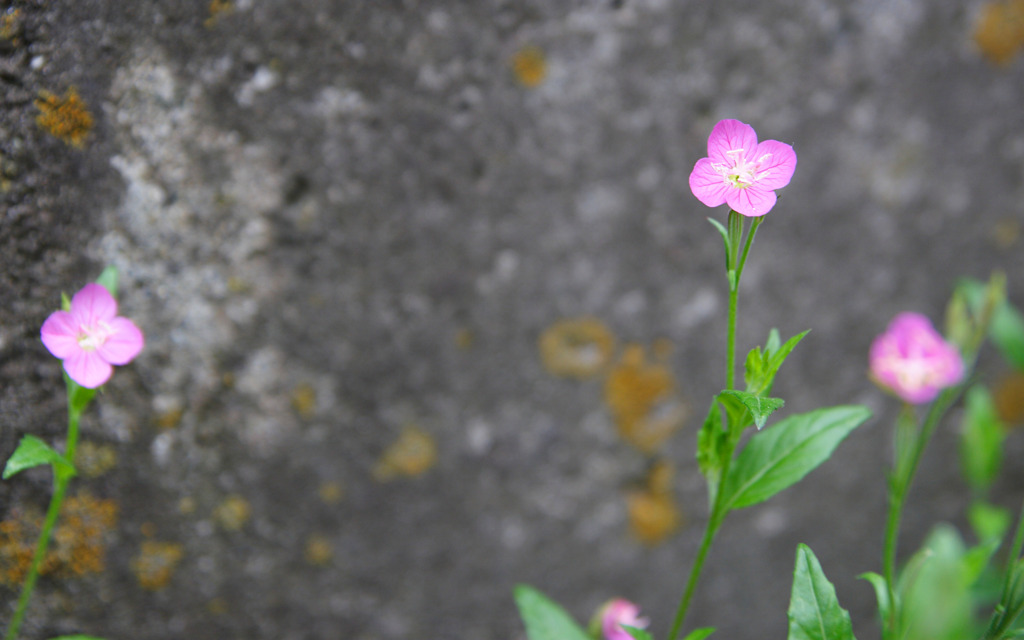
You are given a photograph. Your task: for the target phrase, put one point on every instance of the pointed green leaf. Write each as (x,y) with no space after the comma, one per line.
(988,521)
(975,560)
(935,598)
(814,611)
(725,237)
(108,279)
(712,443)
(881,592)
(33,452)
(699,634)
(779,457)
(637,634)
(760,379)
(545,619)
(981,440)
(760,407)
(1007,331)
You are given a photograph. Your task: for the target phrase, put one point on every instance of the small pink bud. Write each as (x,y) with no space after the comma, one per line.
(913,361)
(616,613)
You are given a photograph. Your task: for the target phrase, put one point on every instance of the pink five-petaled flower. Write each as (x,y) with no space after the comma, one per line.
(913,361)
(620,612)
(91,336)
(740,171)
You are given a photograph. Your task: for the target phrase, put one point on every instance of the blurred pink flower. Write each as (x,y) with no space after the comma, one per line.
(620,612)
(91,336)
(740,171)
(913,361)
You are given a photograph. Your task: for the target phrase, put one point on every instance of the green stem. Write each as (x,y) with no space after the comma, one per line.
(899,486)
(691,584)
(61,480)
(734,264)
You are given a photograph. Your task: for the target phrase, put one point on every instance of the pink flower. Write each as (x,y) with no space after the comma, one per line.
(741,172)
(913,361)
(91,337)
(620,612)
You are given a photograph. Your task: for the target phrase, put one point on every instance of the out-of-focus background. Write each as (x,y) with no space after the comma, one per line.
(430,310)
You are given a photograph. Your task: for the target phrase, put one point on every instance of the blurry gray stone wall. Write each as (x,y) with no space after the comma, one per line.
(347,224)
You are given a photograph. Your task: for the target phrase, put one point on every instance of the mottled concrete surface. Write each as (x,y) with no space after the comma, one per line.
(335,220)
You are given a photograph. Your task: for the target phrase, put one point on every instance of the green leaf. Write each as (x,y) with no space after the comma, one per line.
(988,521)
(814,611)
(1007,332)
(699,634)
(760,407)
(638,634)
(65,302)
(108,279)
(779,457)
(981,440)
(712,447)
(975,560)
(881,592)
(33,452)
(725,237)
(761,366)
(545,619)
(936,602)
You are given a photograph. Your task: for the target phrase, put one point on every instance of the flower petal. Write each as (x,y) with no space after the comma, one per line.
(124,343)
(752,201)
(60,334)
(778,170)
(730,135)
(88,369)
(707,184)
(93,304)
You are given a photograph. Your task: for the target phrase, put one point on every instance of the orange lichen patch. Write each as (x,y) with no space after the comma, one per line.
(576,348)
(999,32)
(218,8)
(464,339)
(643,401)
(233,513)
(147,529)
(530,66)
(1009,399)
(78,545)
(156,562)
(319,550)
(169,419)
(217,606)
(65,117)
(304,400)
(653,513)
(412,454)
(187,505)
(1006,233)
(10,26)
(331,492)
(93,460)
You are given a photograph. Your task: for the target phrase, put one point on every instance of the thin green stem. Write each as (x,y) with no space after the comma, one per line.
(899,486)
(61,480)
(730,370)
(691,584)
(734,265)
